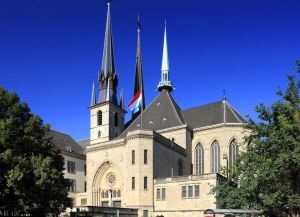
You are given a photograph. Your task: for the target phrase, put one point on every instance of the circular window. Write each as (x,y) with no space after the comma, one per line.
(111,178)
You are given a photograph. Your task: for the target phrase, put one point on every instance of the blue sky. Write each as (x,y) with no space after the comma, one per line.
(51,50)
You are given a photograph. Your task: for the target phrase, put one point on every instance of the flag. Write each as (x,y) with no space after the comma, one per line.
(136,102)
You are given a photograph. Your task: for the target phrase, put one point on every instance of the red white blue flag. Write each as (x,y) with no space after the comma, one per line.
(136,102)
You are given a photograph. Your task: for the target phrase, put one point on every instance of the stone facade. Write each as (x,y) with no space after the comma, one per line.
(165,160)
(169,165)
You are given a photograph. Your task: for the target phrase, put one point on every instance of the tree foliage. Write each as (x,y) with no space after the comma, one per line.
(31,169)
(268,173)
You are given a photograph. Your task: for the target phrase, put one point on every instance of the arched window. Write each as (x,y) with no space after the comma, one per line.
(99,117)
(199,159)
(99,134)
(116,119)
(180,167)
(215,157)
(233,152)
(118,193)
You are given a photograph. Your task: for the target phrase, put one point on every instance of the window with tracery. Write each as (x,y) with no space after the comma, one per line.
(215,156)
(233,152)
(199,159)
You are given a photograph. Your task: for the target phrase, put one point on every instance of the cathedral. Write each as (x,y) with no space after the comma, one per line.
(165,160)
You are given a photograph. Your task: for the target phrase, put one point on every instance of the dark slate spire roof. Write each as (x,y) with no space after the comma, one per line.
(65,142)
(162,113)
(211,114)
(108,64)
(138,82)
(108,79)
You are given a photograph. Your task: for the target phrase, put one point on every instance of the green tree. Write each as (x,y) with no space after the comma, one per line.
(31,169)
(268,173)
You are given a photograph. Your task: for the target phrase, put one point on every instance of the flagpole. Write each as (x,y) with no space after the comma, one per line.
(142,107)
(140,68)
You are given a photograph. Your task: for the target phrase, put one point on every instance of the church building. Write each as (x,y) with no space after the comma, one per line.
(165,160)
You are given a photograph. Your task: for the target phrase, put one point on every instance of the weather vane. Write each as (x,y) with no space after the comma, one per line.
(138,22)
(224,94)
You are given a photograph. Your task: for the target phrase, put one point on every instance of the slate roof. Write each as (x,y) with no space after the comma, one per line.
(64,142)
(162,113)
(165,113)
(84,143)
(212,114)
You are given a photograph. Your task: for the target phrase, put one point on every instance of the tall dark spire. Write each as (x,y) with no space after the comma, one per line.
(165,82)
(108,79)
(138,82)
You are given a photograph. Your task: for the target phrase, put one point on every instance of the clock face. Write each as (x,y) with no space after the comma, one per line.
(111,179)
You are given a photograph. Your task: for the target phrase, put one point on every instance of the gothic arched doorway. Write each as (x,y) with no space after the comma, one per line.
(107,186)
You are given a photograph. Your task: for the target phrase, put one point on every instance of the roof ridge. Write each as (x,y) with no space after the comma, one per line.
(143,111)
(178,117)
(174,104)
(56,131)
(234,112)
(82,140)
(195,107)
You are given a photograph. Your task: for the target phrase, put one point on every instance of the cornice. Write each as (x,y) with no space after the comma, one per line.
(144,134)
(168,143)
(106,145)
(218,126)
(173,129)
(107,103)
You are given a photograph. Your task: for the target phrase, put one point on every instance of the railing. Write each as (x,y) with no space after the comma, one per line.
(93,211)
(185,178)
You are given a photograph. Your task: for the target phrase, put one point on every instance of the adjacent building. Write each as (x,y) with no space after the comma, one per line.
(75,164)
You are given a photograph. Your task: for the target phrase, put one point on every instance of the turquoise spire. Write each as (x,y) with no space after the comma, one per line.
(165,82)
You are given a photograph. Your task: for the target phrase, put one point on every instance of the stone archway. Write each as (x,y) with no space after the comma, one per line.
(107,186)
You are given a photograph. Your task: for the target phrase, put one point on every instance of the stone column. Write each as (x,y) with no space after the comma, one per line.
(110,203)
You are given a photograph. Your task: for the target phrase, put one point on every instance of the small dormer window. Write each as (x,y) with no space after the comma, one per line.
(68,148)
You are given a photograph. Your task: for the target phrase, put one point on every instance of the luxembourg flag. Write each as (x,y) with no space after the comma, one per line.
(136,102)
